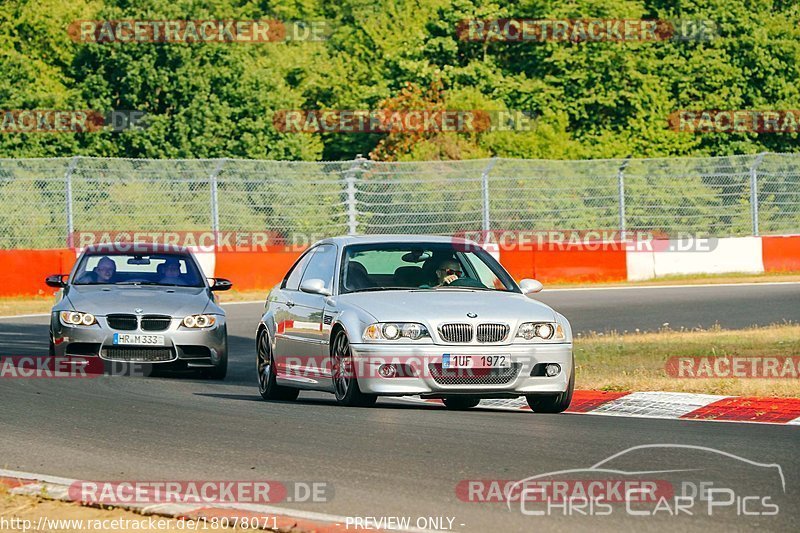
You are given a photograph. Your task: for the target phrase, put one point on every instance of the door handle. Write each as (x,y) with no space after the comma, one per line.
(289,303)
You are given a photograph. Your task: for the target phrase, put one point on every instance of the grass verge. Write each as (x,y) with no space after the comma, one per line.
(637,361)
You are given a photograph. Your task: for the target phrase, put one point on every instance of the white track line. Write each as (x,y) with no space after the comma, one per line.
(37,315)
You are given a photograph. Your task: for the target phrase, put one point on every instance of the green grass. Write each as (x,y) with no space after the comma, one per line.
(636,361)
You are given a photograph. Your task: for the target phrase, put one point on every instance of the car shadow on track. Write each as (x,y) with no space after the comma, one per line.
(388,403)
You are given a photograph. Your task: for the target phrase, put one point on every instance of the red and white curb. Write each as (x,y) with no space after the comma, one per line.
(275,518)
(671,405)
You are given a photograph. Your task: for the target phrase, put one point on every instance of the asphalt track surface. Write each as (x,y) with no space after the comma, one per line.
(399,458)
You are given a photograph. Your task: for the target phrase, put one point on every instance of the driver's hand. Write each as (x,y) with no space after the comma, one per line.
(449,279)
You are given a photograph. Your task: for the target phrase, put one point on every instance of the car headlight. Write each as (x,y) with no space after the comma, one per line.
(76,318)
(541,330)
(199,321)
(392,331)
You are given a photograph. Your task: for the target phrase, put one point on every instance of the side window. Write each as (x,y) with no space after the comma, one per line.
(322,265)
(292,280)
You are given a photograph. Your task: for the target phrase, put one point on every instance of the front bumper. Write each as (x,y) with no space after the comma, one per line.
(198,348)
(367,358)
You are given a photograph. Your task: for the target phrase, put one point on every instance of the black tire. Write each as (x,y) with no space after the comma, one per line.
(52,348)
(345,381)
(554,403)
(265,368)
(218,371)
(460,403)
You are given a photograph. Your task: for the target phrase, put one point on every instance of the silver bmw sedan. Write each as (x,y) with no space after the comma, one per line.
(390,315)
(140,303)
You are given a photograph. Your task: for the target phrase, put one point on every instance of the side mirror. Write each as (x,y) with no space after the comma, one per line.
(56,280)
(314,286)
(530,286)
(220,284)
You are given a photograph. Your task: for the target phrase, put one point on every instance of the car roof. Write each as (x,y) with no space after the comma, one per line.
(345,240)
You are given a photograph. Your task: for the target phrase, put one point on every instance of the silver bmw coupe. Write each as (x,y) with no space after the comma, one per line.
(140,303)
(390,315)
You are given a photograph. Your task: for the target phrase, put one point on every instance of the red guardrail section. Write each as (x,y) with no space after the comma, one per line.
(572,263)
(254,270)
(24,270)
(781,254)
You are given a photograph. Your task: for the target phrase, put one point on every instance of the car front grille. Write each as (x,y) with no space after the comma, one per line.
(492,332)
(138,355)
(463,333)
(473,376)
(122,322)
(155,322)
(456,332)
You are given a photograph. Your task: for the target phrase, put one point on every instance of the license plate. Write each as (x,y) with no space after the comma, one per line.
(475,361)
(135,338)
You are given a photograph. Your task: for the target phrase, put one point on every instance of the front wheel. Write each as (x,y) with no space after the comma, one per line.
(555,403)
(218,371)
(459,403)
(265,365)
(345,381)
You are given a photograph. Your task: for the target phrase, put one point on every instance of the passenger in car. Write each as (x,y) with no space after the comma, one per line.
(172,273)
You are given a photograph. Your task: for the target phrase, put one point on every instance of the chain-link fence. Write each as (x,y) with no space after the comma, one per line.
(44,201)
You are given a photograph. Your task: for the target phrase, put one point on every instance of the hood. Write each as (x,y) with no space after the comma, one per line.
(174,301)
(450,305)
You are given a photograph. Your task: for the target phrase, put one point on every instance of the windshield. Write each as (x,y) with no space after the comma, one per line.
(138,269)
(373,267)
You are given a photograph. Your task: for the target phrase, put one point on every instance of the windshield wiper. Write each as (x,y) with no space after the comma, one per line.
(144,283)
(368,289)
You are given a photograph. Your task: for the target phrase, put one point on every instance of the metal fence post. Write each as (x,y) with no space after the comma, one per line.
(485,191)
(215,200)
(350,182)
(68,179)
(621,192)
(754,191)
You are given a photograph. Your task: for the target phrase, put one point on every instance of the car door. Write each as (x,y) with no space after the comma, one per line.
(309,328)
(286,343)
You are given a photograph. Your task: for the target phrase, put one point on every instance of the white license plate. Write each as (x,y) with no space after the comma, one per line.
(475,361)
(136,338)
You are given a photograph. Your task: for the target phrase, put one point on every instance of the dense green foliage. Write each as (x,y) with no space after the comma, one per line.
(590,100)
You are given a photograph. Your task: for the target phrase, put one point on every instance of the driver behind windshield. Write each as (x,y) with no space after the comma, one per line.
(103,273)
(172,273)
(449,270)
